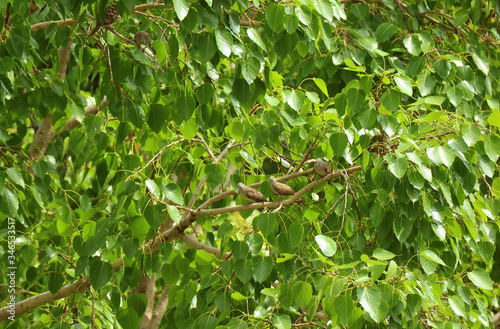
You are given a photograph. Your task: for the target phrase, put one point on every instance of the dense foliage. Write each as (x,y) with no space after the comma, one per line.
(119,167)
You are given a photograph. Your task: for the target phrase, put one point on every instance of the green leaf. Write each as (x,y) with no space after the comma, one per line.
(275,14)
(441,155)
(397,166)
(294,98)
(415,66)
(282,321)
(153,188)
(15,176)
(296,233)
(248,158)
(492,147)
(442,67)
(382,254)
(224,42)
(266,223)
(326,244)
(207,321)
(128,318)
(243,92)
(385,31)
(482,63)
(344,307)
(431,255)
(191,20)
(425,83)
(157,116)
(457,305)
(494,118)
(239,249)
(355,99)
(173,192)
(391,100)
(455,95)
(360,10)
(207,46)
(370,299)
(185,106)
(170,274)
(181,8)
(481,279)
(215,174)
(404,84)
(262,268)
(55,283)
(470,134)
(136,114)
(92,124)
(338,143)
(302,292)
(402,228)
(255,37)
(412,44)
(204,93)
(6,65)
(377,214)
(9,204)
(250,68)
(285,294)
(291,23)
(139,227)
(100,272)
(189,128)
(325,8)
(486,250)
(243,270)
(321,85)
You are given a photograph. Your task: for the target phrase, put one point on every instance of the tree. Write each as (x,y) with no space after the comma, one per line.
(120,167)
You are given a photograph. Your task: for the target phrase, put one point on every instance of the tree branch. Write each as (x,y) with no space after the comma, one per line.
(46,297)
(161,307)
(200,246)
(150,294)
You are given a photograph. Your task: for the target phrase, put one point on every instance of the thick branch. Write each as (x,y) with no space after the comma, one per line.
(44,25)
(198,245)
(161,307)
(46,297)
(42,138)
(90,109)
(45,134)
(64,53)
(150,294)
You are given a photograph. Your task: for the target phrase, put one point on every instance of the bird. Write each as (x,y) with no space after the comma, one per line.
(112,16)
(143,39)
(321,167)
(280,188)
(250,193)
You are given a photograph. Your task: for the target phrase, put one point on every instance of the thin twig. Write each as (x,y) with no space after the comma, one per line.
(157,155)
(206,146)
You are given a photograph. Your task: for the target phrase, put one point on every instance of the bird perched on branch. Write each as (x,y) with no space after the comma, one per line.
(280,188)
(250,193)
(143,39)
(112,16)
(321,167)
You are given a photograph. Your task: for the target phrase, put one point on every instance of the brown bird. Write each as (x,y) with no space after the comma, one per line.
(249,193)
(321,167)
(280,188)
(112,16)
(143,39)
